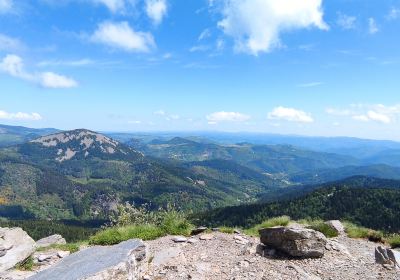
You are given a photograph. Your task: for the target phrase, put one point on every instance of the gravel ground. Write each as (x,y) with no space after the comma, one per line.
(232,257)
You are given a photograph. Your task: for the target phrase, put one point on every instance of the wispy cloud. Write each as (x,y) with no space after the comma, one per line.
(72,63)
(223,116)
(393,14)
(372,26)
(366,113)
(308,85)
(10,44)
(6,6)
(13,65)
(346,22)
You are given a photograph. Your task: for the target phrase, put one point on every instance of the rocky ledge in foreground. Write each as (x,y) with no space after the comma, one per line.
(117,262)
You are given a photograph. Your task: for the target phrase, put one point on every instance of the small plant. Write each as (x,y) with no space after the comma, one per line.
(322,227)
(228,230)
(394,240)
(355,231)
(26,265)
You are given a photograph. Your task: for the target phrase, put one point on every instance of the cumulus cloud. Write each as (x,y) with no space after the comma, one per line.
(13,65)
(5,6)
(156,10)
(227,117)
(393,14)
(20,116)
(346,22)
(290,114)
(121,36)
(256,25)
(372,26)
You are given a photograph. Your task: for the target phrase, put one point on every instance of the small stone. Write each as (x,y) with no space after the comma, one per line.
(146,277)
(237,231)
(179,239)
(206,237)
(192,240)
(42,258)
(215,229)
(63,254)
(198,230)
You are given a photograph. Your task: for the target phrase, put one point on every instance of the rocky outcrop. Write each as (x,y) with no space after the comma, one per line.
(295,241)
(15,246)
(387,256)
(118,262)
(337,226)
(50,240)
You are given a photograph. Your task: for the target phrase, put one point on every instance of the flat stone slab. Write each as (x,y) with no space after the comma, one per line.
(98,262)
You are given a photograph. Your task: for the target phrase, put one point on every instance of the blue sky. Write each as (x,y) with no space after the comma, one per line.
(311,67)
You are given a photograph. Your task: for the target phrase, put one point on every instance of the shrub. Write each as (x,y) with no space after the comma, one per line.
(355,231)
(26,265)
(273,222)
(394,240)
(228,230)
(175,223)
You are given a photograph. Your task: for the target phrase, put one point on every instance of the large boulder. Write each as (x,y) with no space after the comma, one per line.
(15,246)
(294,241)
(118,262)
(50,240)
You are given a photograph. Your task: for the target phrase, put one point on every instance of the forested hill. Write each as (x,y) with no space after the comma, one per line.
(371,202)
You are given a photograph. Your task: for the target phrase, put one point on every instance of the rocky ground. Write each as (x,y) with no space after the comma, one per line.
(227,256)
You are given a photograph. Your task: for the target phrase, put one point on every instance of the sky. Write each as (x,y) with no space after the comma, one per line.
(310,67)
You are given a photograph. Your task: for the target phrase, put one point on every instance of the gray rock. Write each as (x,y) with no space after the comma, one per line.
(198,230)
(99,263)
(296,242)
(50,240)
(179,239)
(206,236)
(337,226)
(387,256)
(17,246)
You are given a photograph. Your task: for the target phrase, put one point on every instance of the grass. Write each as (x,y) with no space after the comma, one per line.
(71,247)
(273,222)
(173,223)
(228,230)
(321,226)
(355,231)
(26,265)
(394,240)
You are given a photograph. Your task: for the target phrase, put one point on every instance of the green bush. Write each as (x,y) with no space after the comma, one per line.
(115,235)
(394,240)
(175,223)
(355,231)
(228,230)
(273,222)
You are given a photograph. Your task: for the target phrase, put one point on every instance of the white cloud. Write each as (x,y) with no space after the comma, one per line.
(9,44)
(206,33)
(113,5)
(256,25)
(53,80)
(156,10)
(20,116)
(227,117)
(5,6)
(365,113)
(122,36)
(346,22)
(372,26)
(393,14)
(160,113)
(290,114)
(312,84)
(72,63)
(13,65)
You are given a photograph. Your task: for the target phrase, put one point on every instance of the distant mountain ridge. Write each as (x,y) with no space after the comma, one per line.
(12,135)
